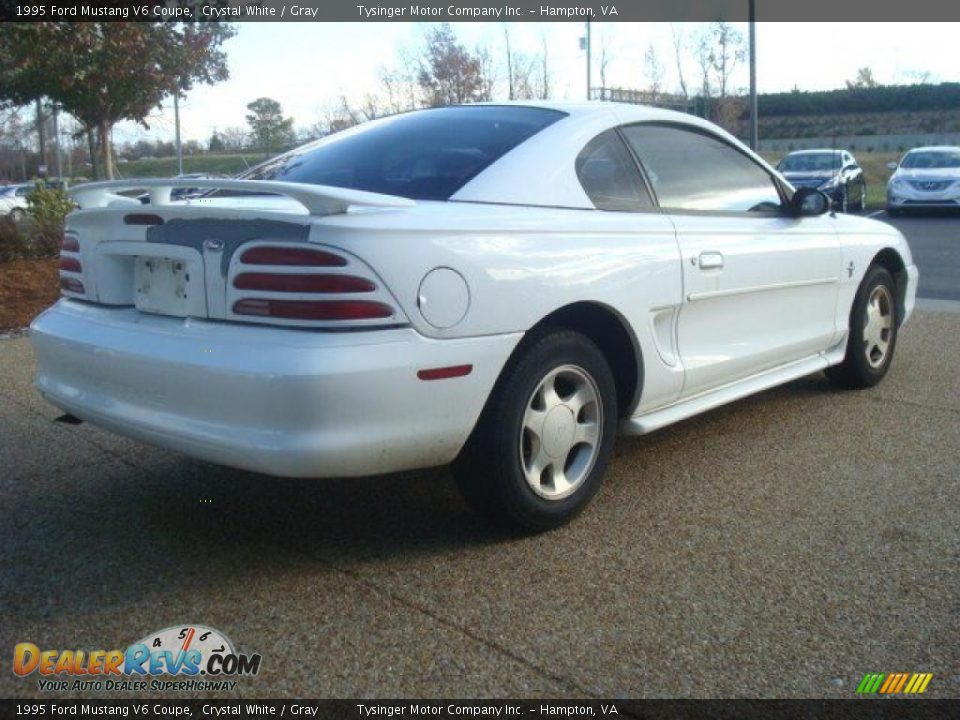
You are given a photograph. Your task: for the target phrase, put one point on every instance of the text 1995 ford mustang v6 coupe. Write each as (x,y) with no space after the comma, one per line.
(501,286)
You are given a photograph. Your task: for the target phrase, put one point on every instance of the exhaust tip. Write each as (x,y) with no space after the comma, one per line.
(68,419)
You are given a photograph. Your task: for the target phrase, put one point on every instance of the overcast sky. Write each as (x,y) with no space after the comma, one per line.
(307,66)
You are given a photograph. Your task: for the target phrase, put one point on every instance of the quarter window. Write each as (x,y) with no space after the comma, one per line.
(609,175)
(692,170)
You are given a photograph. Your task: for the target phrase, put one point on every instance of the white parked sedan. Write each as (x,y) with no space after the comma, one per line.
(14,201)
(927,177)
(502,286)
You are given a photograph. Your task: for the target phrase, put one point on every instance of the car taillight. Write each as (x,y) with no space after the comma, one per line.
(70,265)
(325,310)
(71,285)
(286,284)
(70,244)
(267,255)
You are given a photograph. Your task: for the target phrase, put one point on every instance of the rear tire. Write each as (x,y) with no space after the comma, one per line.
(543,443)
(873,332)
(17,215)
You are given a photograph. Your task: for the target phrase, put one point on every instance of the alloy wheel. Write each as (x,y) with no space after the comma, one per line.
(561,432)
(878,326)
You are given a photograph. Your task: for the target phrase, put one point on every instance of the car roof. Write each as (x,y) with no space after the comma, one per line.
(541,170)
(627,112)
(935,148)
(813,151)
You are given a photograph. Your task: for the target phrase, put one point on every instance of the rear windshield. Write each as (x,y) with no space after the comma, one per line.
(424,155)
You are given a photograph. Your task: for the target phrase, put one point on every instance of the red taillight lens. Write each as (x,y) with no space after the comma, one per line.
(71,285)
(265,255)
(70,264)
(271,282)
(309,310)
(70,244)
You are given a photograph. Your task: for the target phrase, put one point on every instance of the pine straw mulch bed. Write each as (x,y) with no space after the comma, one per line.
(27,287)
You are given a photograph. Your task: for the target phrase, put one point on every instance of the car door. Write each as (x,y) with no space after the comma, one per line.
(760,286)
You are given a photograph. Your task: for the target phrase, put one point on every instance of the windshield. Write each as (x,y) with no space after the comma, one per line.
(811,162)
(932,159)
(8,190)
(424,155)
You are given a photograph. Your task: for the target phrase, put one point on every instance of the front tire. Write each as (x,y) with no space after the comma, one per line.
(873,332)
(17,215)
(544,440)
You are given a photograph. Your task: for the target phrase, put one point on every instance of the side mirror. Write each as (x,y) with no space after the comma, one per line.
(891,166)
(808,202)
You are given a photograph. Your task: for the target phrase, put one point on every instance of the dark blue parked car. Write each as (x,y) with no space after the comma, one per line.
(834,172)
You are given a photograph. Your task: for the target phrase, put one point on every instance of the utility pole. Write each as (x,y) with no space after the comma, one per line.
(176,121)
(588,60)
(754,138)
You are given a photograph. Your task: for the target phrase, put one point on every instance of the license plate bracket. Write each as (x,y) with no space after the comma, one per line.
(162,285)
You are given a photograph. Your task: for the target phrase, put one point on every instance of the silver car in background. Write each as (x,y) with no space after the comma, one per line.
(927,177)
(13,201)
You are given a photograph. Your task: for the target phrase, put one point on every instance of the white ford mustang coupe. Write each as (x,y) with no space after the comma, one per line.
(498,286)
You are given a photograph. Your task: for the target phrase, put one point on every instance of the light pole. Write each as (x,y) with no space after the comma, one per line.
(754,139)
(588,60)
(176,122)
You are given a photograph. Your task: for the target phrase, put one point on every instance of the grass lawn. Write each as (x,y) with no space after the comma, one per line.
(215,164)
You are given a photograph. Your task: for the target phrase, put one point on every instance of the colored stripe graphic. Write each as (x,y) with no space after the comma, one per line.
(870,683)
(894,683)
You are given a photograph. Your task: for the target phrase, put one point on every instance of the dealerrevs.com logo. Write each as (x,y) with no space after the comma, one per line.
(200,657)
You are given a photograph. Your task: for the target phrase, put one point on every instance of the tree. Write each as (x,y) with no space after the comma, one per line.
(234,139)
(727,49)
(105,72)
(215,144)
(604,64)
(545,77)
(449,74)
(864,79)
(678,43)
(653,70)
(270,129)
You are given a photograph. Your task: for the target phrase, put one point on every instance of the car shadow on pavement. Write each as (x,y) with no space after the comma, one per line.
(117,532)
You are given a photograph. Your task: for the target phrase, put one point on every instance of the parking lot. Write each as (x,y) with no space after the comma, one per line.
(782,546)
(935,242)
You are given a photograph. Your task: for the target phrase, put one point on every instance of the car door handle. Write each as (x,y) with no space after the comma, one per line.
(711,261)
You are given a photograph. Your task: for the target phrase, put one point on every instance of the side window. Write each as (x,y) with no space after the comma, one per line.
(692,170)
(610,177)
(23,191)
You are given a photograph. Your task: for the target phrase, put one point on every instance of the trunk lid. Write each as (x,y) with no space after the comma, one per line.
(179,258)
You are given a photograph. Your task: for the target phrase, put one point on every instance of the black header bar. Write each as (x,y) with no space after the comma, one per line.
(479,10)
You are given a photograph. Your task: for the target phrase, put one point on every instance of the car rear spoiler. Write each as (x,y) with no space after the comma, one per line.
(317,199)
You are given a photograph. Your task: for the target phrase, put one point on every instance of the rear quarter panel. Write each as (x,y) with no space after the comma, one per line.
(523,263)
